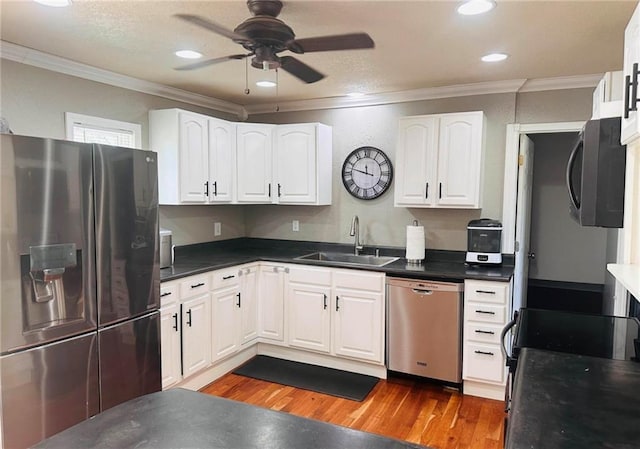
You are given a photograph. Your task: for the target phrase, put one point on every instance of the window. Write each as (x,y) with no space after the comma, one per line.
(88,129)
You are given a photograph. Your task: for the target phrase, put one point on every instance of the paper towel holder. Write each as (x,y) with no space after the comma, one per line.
(415,261)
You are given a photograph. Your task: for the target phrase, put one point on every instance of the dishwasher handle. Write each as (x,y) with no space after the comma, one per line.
(417,291)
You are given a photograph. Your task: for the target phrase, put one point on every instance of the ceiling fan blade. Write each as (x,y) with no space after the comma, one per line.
(208,62)
(208,25)
(350,41)
(300,70)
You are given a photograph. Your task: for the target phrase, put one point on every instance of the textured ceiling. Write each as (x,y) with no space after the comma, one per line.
(418,44)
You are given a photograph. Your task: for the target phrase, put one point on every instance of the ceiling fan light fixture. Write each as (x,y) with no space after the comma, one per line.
(54,3)
(188,54)
(265,83)
(474,7)
(494,57)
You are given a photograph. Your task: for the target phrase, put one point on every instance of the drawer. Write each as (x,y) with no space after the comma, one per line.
(482,333)
(310,275)
(485,313)
(193,286)
(359,280)
(483,362)
(225,278)
(169,294)
(486,291)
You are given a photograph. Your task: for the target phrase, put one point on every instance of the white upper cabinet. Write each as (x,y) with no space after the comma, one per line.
(439,161)
(630,123)
(302,164)
(254,162)
(222,154)
(195,157)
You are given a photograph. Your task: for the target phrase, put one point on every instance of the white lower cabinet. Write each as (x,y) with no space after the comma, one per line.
(170,335)
(196,334)
(486,312)
(271,301)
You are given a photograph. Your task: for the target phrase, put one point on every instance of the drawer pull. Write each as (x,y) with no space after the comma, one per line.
(162,295)
(486,292)
(231,276)
(198,285)
(486,312)
(480,331)
(484,352)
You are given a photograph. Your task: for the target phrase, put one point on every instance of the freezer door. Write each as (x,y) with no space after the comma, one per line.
(47,259)
(129,360)
(127,259)
(48,389)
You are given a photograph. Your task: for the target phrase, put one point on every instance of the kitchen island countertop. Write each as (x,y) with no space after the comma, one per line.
(438,265)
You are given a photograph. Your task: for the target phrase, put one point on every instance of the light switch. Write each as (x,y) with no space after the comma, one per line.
(296,225)
(217,228)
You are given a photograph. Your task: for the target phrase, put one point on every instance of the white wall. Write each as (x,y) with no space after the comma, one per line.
(34,101)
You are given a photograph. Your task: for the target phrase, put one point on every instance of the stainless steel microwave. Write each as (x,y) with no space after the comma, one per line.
(595,175)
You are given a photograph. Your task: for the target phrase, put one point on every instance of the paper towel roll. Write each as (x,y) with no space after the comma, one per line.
(415,243)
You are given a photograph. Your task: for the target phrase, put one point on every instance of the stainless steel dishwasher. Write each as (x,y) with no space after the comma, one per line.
(424,328)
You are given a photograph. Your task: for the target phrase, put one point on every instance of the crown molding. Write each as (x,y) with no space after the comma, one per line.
(37,58)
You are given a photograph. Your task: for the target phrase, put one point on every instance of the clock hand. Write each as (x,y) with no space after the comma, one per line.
(362,171)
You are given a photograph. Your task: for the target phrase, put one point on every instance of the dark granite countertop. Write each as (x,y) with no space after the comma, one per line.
(179,418)
(438,265)
(574,401)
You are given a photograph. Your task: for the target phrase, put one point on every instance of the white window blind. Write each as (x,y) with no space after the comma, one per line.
(88,129)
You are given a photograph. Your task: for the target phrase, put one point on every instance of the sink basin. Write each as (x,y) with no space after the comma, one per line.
(352,259)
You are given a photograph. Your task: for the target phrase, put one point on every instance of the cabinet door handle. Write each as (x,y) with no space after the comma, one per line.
(484,352)
(480,331)
(337,303)
(439,190)
(175,321)
(627,95)
(162,295)
(633,106)
(269,194)
(486,312)
(239,299)
(231,276)
(215,188)
(488,292)
(325,302)
(426,195)
(206,188)
(198,285)
(279,186)
(189,319)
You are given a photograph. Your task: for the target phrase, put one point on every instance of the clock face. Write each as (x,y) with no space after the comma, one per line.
(367,173)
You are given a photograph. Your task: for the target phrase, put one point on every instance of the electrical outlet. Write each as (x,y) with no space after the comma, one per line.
(296,225)
(217,228)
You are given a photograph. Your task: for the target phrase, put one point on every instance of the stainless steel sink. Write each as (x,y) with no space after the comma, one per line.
(351,259)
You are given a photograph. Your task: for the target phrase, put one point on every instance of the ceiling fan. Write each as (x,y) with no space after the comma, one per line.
(264,36)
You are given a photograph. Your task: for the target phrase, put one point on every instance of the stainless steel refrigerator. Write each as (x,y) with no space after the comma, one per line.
(79,283)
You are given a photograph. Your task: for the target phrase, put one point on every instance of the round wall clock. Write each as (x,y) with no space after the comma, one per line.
(367,173)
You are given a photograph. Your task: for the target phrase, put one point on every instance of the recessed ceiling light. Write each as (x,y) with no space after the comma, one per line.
(55,3)
(355,94)
(265,83)
(473,7)
(188,54)
(494,57)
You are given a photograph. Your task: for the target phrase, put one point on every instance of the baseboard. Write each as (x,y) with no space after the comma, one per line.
(484,390)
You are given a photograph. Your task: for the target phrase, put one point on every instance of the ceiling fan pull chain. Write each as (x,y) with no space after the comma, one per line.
(277,90)
(246,77)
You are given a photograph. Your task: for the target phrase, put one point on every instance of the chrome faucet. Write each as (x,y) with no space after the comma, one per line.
(355,231)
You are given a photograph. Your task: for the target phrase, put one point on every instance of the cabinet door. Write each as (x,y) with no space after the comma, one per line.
(222,148)
(254,161)
(196,334)
(248,304)
(271,302)
(416,162)
(194,155)
(170,345)
(309,316)
(225,321)
(460,160)
(295,163)
(358,327)
(630,129)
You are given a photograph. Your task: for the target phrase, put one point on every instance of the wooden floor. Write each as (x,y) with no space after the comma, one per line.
(415,411)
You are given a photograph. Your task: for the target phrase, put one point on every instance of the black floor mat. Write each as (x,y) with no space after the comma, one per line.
(309,377)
